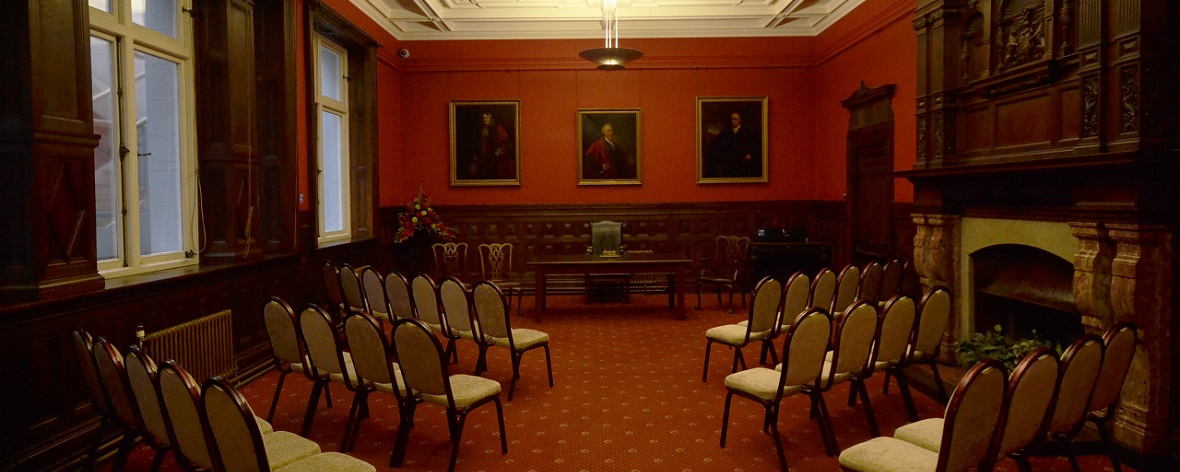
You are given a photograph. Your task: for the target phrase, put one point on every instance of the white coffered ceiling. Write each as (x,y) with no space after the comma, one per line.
(563,19)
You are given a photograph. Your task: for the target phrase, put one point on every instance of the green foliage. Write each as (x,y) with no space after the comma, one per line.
(996,345)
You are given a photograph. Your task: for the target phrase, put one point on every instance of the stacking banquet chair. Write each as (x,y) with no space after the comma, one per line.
(891,276)
(424,295)
(450,259)
(141,383)
(354,294)
(241,446)
(494,327)
(424,374)
(966,440)
(377,373)
(847,286)
(397,291)
(795,294)
(727,269)
(111,372)
(286,347)
(803,358)
(823,290)
(898,327)
(850,360)
(376,301)
(495,264)
(457,310)
(180,400)
(870,283)
(934,313)
(1079,373)
(761,324)
(1024,416)
(84,355)
(1119,342)
(331,274)
(327,362)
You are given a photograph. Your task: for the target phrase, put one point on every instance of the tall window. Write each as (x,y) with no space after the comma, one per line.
(332,162)
(141,70)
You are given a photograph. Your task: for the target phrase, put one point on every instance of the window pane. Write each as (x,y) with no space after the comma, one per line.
(107,190)
(330,73)
(333,175)
(159,15)
(157,127)
(104,5)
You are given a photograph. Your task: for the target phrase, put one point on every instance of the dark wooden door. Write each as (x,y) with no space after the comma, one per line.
(870,180)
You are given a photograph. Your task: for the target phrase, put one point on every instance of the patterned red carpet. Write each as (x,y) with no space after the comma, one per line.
(627,395)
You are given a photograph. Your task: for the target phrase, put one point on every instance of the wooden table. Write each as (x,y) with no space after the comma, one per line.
(625,264)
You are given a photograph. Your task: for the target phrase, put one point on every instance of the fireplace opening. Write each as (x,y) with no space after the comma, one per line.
(1022,289)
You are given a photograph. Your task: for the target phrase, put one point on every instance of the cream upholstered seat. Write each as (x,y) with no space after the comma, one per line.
(424,373)
(823,290)
(847,286)
(495,264)
(450,259)
(494,328)
(84,356)
(1119,349)
(112,374)
(327,361)
(371,362)
(968,436)
(803,356)
(1079,373)
(376,301)
(286,347)
(397,291)
(898,327)
(241,447)
(851,360)
(457,310)
(141,384)
(795,294)
(760,324)
(1026,411)
(726,269)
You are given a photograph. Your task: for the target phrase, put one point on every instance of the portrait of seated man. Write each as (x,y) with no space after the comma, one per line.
(608,144)
(732,145)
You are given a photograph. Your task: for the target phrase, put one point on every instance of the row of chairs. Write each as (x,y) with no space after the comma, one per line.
(991,415)
(210,427)
(412,368)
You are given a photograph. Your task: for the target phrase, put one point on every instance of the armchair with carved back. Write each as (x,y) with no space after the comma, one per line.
(450,260)
(728,269)
(606,240)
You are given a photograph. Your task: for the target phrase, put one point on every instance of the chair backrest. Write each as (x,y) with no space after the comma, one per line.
(232,428)
(1120,341)
(109,363)
(332,284)
(323,348)
(897,329)
(424,370)
(853,348)
(846,287)
(795,294)
(84,355)
(1031,390)
(450,259)
(350,286)
(765,309)
(934,313)
(891,277)
(141,381)
(823,289)
(805,347)
(731,252)
(397,291)
(374,290)
(491,310)
(870,282)
(495,261)
(370,350)
(605,236)
(1079,365)
(424,294)
(282,329)
(456,304)
(973,417)
(181,400)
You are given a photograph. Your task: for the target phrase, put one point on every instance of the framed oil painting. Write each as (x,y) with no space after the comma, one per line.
(731,139)
(485,143)
(609,147)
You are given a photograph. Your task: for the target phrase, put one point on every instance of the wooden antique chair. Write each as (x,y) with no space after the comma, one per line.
(495,264)
(726,269)
(450,259)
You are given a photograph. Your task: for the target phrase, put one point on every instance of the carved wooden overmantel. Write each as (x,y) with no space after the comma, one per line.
(1061,111)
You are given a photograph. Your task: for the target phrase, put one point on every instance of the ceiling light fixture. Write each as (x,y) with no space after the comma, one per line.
(611,57)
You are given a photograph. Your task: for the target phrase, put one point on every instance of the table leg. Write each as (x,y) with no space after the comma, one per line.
(539,287)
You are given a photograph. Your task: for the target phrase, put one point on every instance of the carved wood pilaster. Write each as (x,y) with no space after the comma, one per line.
(1091,276)
(1141,289)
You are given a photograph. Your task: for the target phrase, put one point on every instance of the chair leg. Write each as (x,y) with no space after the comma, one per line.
(705,372)
(737,357)
(885,389)
(274,403)
(852,396)
(481,363)
(92,458)
(549,365)
(778,442)
(1021,462)
(698,290)
(515,373)
(938,382)
(1104,435)
(500,416)
(725,416)
(158,460)
(125,446)
(456,438)
(309,416)
(903,385)
(403,433)
(864,398)
(825,421)
(353,421)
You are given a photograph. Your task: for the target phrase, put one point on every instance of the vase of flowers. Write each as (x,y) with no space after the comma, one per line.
(419,227)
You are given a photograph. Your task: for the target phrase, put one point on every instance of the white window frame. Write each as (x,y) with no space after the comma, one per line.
(338,107)
(130,38)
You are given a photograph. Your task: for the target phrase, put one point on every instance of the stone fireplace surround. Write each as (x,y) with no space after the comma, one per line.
(1122,272)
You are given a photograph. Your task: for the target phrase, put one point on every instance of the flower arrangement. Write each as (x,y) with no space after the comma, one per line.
(420,219)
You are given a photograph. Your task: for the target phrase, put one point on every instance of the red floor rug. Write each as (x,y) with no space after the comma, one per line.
(627,395)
